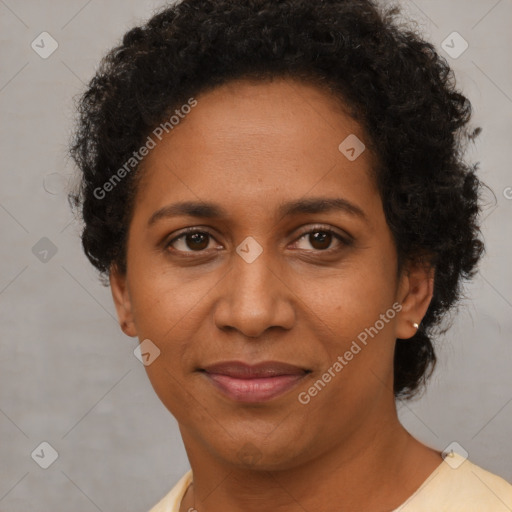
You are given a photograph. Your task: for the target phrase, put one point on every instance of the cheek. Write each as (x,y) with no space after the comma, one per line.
(350,299)
(356,321)
(170,313)
(173,310)
(167,304)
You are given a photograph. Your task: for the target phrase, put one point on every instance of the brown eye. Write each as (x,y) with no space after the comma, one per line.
(322,240)
(193,241)
(197,241)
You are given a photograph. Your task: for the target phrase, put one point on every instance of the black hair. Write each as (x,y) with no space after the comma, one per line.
(394,83)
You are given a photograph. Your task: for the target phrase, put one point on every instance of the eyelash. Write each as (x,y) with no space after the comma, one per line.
(345,241)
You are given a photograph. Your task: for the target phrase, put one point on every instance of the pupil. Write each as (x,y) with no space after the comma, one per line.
(322,238)
(196,241)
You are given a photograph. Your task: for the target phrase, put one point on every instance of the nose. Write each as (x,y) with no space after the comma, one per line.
(254,297)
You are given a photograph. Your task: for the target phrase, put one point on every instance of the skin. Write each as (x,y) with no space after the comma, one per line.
(249,147)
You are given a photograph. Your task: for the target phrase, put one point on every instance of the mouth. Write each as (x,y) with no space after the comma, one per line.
(242,382)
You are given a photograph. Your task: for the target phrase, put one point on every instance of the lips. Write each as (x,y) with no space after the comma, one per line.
(242,382)
(240,370)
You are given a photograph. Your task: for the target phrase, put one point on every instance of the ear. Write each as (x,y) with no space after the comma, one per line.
(415,291)
(121,296)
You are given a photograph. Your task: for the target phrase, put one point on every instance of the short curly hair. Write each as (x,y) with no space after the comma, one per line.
(393,82)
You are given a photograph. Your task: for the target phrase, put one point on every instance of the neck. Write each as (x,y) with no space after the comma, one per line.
(377,466)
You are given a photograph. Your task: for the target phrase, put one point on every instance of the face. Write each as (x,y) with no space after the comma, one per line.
(258,296)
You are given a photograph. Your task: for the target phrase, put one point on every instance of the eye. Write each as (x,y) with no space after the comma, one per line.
(321,239)
(195,240)
(191,241)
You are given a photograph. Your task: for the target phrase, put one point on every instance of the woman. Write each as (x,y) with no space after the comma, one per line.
(276,194)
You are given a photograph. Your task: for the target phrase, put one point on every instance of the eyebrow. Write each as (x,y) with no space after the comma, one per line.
(213,211)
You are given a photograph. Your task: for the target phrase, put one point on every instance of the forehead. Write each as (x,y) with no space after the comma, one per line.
(255,142)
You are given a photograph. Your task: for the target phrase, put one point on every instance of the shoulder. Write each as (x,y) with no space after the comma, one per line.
(458,484)
(171,501)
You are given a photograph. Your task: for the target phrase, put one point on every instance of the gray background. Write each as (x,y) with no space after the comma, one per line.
(68,375)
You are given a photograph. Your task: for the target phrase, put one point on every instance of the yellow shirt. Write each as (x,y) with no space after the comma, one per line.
(468,488)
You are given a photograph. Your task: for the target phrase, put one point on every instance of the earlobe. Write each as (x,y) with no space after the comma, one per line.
(415,294)
(122,301)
